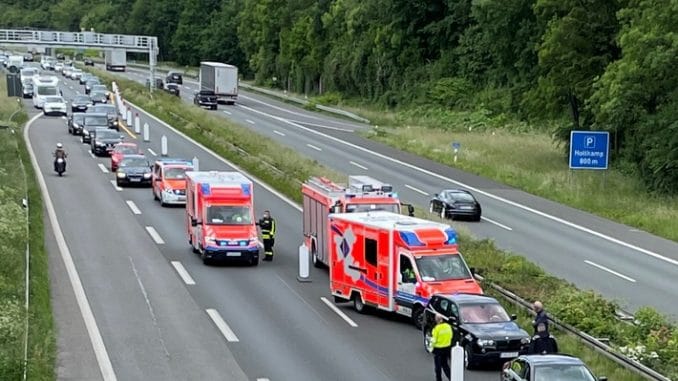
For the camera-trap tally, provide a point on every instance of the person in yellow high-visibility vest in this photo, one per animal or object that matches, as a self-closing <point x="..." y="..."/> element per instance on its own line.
<point x="267" y="225"/>
<point x="441" y="341"/>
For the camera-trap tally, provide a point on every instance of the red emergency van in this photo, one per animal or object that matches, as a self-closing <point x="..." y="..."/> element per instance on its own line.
<point x="394" y="262"/>
<point x="169" y="180"/>
<point x="321" y="197"/>
<point x="220" y="216"/>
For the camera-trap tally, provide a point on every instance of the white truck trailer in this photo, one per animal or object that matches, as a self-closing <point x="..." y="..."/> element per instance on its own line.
<point x="116" y="60"/>
<point x="220" y="78"/>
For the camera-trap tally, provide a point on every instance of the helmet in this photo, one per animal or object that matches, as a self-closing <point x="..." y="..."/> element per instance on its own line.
<point x="59" y="145"/>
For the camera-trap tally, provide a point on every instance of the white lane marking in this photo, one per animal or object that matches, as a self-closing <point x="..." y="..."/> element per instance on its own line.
<point x="323" y="126"/>
<point x="133" y="207"/>
<point x="280" y="108"/>
<point x="496" y="223"/>
<point x="152" y="152"/>
<point x="226" y="112"/>
<point x="115" y="185"/>
<point x="91" y="154"/>
<point x="249" y="121"/>
<point x="216" y="156"/>
<point x="278" y="132"/>
<point x="358" y="165"/>
<point x="474" y="189"/>
<point x="93" y="332"/>
<point x="314" y="147"/>
<point x="416" y="189"/>
<point x="103" y="168"/>
<point x="263" y="379"/>
<point x="150" y="307"/>
<point x="187" y="88"/>
<point x="154" y="234"/>
<point x="221" y="324"/>
<point x="601" y="267"/>
<point x="181" y="270"/>
<point x="339" y="312"/>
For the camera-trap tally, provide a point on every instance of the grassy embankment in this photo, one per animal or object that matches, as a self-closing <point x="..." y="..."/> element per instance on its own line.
<point x="13" y="238"/>
<point x="511" y="271"/>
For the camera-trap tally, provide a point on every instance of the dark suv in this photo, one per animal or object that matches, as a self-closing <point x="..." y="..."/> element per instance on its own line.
<point x="481" y="326"/>
<point x="91" y="122"/>
<point x="173" y="77"/>
<point x="206" y="98"/>
<point x="104" y="140"/>
<point x="110" y="111"/>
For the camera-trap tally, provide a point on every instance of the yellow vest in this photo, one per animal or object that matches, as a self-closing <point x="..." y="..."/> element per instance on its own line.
<point x="442" y="335"/>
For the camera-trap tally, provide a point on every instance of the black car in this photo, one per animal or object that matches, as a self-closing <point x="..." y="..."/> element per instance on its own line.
<point x="84" y="78"/>
<point x="172" y="88"/>
<point x="99" y="97"/>
<point x="90" y="83"/>
<point x="103" y="141"/>
<point x="173" y="77"/>
<point x="89" y="62"/>
<point x="205" y="98"/>
<point x="92" y="122"/>
<point x="547" y="368"/>
<point x="481" y="326"/>
<point x="60" y="57"/>
<point x="80" y="103"/>
<point x="111" y="114"/>
<point x="133" y="169"/>
<point x="76" y="123"/>
<point x="455" y="203"/>
<point x="28" y="57"/>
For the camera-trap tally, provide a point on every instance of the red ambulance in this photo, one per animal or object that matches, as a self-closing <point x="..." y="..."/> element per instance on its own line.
<point x="220" y="216"/>
<point x="169" y="180"/>
<point x="394" y="263"/>
<point x="321" y="197"/>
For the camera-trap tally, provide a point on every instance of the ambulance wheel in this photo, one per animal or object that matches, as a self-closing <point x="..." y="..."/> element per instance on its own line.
<point x="418" y="316"/>
<point x="316" y="262"/>
<point x="358" y="303"/>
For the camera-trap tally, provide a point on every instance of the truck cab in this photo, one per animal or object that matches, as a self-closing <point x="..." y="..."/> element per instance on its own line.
<point x="169" y="181"/>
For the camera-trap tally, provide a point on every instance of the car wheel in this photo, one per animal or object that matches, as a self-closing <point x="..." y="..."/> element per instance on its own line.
<point x="162" y="200"/>
<point x="443" y="214"/>
<point x="476" y="218"/>
<point x="428" y="337"/>
<point x="469" y="360"/>
<point x="254" y="262"/>
<point x="431" y="207"/>
<point x="118" y="183"/>
<point x="418" y="316"/>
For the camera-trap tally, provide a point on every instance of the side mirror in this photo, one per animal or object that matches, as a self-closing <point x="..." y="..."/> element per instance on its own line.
<point x="194" y="222"/>
<point x="473" y="270"/>
<point x="514" y="317"/>
<point x="602" y="378"/>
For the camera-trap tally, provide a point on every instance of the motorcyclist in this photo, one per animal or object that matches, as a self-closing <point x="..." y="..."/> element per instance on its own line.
<point x="59" y="153"/>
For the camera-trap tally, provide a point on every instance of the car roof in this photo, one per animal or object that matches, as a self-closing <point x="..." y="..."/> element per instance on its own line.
<point x="456" y="191"/>
<point x="127" y="144"/>
<point x="135" y="156"/>
<point x="461" y="298"/>
<point x="553" y="359"/>
<point x="97" y="113"/>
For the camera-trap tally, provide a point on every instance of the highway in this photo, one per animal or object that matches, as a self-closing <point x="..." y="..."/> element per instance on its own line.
<point x="163" y="315"/>
<point x="622" y="263"/>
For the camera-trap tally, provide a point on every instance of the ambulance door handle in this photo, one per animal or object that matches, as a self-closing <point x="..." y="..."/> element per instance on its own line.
<point x="364" y="271"/>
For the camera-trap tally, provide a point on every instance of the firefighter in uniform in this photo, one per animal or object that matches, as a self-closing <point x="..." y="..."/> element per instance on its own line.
<point x="267" y="225"/>
<point x="441" y="341"/>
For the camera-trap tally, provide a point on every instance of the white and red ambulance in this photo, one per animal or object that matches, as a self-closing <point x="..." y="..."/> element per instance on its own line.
<point x="394" y="262"/>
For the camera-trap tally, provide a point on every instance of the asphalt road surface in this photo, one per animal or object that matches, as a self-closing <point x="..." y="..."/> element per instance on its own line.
<point x="163" y="315"/>
<point x="622" y="263"/>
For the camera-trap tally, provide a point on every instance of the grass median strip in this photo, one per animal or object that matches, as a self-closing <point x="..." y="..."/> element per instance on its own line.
<point x="284" y="169"/>
<point x="14" y="169"/>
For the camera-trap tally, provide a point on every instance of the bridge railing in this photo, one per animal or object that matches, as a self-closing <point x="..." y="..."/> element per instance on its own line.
<point x="79" y="39"/>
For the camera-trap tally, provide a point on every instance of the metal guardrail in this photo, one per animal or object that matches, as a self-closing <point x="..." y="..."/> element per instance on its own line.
<point x="92" y="40"/>
<point x="593" y="342"/>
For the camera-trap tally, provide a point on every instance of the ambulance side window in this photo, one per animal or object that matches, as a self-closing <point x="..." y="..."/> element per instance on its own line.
<point x="371" y="251"/>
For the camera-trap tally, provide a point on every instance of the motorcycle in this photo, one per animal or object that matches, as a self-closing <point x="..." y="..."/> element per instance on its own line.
<point x="60" y="166"/>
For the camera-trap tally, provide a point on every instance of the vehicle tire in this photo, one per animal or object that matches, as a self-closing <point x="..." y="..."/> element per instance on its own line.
<point x="431" y="208"/>
<point x="254" y="262"/>
<point x="442" y="214"/>
<point x="428" y="336"/>
<point x="418" y="316"/>
<point x="469" y="360"/>
<point x="476" y="218"/>
<point x="358" y="303"/>
<point x="317" y="263"/>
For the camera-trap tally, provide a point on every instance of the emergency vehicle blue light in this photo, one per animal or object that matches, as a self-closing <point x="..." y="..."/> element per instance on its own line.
<point x="411" y="239"/>
<point x="205" y="189"/>
<point x="245" y="189"/>
<point x="451" y="237"/>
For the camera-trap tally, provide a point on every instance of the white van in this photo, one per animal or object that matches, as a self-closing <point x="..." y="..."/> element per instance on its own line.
<point x="44" y="87"/>
<point x="28" y="73"/>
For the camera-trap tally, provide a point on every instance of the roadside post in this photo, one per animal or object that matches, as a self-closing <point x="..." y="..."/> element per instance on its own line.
<point x="163" y="144"/>
<point x="590" y="150"/>
<point x="455" y="147"/>
<point x="304" y="264"/>
<point x="196" y="163"/>
<point x="457" y="363"/>
<point x="137" y="124"/>
<point x="129" y="116"/>
<point x="147" y="133"/>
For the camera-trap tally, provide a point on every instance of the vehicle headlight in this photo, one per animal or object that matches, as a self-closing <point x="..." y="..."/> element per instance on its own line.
<point x="99" y="144"/>
<point x="485" y="343"/>
<point x="525" y="340"/>
<point x="85" y="132"/>
<point x="147" y="175"/>
<point x="210" y="240"/>
<point x="121" y="174"/>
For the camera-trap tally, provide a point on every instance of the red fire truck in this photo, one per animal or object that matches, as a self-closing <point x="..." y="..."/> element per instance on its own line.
<point x="220" y="217"/>
<point x="393" y="262"/>
<point x="322" y="197"/>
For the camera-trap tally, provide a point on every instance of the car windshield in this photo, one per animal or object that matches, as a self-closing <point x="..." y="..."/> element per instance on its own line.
<point x="126" y="149"/>
<point x="228" y="215"/>
<point x="81" y="99"/>
<point x="107" y="134"/>
<point x="99" y="87"/>
<point x="442" y="267"/>
<point x="357" y="208"/>
<point x="175" y="173"/>
<point x="562" y="372"/>
<point x="48" y="90"/>
<point x="134" y="162"/>
<point x="104" y="109"/>
<point x="459" y="196"/>
<point x="96" y="120"/>
<point x="483" y="313"/>
<point x="54" y="100"/>
<point x="98" y="95"/>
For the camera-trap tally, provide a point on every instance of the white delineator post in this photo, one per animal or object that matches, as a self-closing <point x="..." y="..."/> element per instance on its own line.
<point x="163" y="144"/>
<point x="129" y="116"/>
<point x="137" y="124"/>
<point x="304" y="264"/>
<point x="457" y="363"/>
<point x="196" y="164"/>
<point x="147" y="133"/>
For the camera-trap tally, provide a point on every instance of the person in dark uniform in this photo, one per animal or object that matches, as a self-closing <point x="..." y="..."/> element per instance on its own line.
<point x="543" y="343"/>
<point x="541" y="317"/>
<point x="267" y="226"/>
<point x="59" y="153"/>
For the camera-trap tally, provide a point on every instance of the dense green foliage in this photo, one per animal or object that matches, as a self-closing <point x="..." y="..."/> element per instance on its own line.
<point x="587" y="64"/>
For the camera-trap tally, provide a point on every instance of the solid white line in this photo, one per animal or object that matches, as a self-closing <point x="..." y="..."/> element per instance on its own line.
<point x="185" y="276"/>
<point x="97" y="341"/>
<point x="278" y="132"/>
<point x="263" y="379"/>
<point x="496" y="223"/>
<point x="226" y="112"/>
<point x="221" y="324"/>
<point x="339" y="312"/>
<point x="152" y="152"/>
<point x="154" y="234"/>
<point x="358" y="165"/>
<point x="280" y="108"/>
<point x="416" y="189"/>
<point x="91" y="154"/>
<point x="133" y="207"/>
<point x="474" y="189"/>
<point x="249" y="121"/>
<point x="323" y="126"/>
<point x="314" y="147"/>
<point x="610" y="271"/>
<point x="103" y="168"/>
<point x="116" y="186"/>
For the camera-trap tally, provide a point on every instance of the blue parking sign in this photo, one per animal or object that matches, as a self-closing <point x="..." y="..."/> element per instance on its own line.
<point x="589" y="149"/>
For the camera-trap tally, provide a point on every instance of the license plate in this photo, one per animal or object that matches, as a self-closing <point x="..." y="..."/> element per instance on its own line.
<point x="505" y="355"/>
<point x="134" y="180"/>
<point x="234" y="254"/>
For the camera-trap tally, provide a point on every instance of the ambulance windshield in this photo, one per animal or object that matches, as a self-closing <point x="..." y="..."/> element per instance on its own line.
<point x="175" y="173"/>
<point x="228" y="215"/>
<point x="358" y="208"/>
<point x="434" y="268"/>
